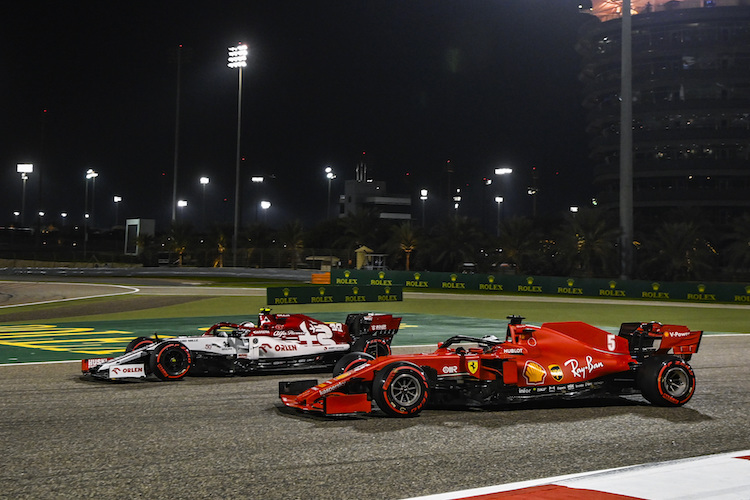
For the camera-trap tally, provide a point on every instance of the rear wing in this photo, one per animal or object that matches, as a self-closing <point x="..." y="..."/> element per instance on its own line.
<point x="373" y="325"/>
<point x="653" y="338"/>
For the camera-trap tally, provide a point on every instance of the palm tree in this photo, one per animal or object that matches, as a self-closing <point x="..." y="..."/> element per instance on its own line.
<point x="360" y="228"/>
<point x="454" y="242"/>
<point x="178" y="240"/>
<point x="146" y="245"/>
<point x="221" y="247"/>
<point x="587" y="243"/>
<point x="678" y="251"/>
<point x="738" y="244"/>
<point x="404" y="238"/>
<point x="291" y="237"/>
<point x="519" y="241"/>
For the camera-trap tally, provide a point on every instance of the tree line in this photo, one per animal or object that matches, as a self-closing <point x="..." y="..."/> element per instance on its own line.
<point x="678" y="246"/>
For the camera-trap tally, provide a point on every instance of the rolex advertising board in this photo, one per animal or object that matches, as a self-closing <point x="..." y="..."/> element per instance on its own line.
<point x="706" y="292"/>
<point x="329" y="294"/>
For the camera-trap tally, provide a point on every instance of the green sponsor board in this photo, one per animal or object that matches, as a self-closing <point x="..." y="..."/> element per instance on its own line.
<point x="704" y="292"/>
<point x="329" y="294"/>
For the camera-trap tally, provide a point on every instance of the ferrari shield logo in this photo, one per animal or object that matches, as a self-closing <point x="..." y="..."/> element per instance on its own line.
<point x="473" y="366"/>
<point x="556" y="372"/>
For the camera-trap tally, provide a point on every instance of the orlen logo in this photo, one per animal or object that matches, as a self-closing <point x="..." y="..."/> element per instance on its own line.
<point x="127" y="371"/>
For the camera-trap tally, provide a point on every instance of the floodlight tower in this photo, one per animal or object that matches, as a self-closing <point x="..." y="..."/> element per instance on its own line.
<point x="116" y="200"/>
<point x="626" y="144"/>
<point x="330" y="175"/>
<point x="91" y="175"/>
<point x="24" y="169"/>
<point x="237" y="59"/>
<point x="423" y="197"/>
<point x="499" y="201"/>
<point x="204" y="181"/>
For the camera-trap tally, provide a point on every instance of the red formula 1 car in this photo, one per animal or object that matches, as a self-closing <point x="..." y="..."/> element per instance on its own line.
<point x="278" y="341"/>
<point x="564" y="360"/>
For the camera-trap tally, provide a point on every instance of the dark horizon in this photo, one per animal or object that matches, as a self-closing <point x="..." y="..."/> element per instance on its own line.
<point x="414" y="85"/>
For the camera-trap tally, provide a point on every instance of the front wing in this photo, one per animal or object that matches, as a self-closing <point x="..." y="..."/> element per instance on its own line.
<point x="309" y="396"/>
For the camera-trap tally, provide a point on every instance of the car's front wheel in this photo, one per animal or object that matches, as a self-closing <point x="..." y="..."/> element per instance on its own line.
<point x="171" y="361"/>
<point x="400" y="389"/>
<point x="668" y="381"/>
<point x="349" y="361"/>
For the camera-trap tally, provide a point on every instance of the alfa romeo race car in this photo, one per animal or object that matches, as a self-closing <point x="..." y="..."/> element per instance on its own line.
<point x="278" y="341"/>
<point x="563" y="360"/>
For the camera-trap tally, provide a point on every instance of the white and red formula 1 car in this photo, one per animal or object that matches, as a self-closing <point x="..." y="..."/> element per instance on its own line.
<point x="277" y="342"/>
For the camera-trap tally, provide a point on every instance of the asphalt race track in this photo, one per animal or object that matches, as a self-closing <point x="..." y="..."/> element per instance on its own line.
<point x="65" y="437"/>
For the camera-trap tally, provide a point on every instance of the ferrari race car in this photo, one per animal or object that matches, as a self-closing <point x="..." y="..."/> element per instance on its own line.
<point x="564" y="360"/>
<point x="278" y="341"/>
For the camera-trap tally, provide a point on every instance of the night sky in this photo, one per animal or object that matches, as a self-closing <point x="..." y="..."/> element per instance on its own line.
<point x="413" y="83"/>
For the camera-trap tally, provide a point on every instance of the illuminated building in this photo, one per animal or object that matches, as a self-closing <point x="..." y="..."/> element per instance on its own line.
<point x="364" y="193"/>
<point x="691" y="104"/>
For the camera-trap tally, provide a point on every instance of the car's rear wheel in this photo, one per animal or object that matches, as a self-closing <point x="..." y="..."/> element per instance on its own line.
<point x="349" y="361"/>
<point x="666" y="381"/>
<point x="171" y="361"/>
<point x="137" y="343"/>
<point x="400" y="389"/>
<point x="377" y="348"/>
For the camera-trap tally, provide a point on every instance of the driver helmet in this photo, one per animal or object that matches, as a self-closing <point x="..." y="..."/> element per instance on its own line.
<point x="264" y="316"/>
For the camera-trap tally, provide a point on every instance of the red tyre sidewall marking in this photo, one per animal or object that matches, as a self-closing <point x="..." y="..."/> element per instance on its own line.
<point x="389" y="380"/>
<point x="142" y="343"/>
<point x="161" y="368"/>
<point x="691" y="381"/>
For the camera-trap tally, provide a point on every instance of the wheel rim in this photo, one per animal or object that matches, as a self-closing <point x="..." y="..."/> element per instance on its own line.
<point x="174" y="361"/>
<point x="405" y="390"/>
<point x="676" y="382"/>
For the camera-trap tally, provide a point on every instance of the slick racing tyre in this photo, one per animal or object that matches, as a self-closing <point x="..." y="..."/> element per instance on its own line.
<point x="171" y="361"/>
<point x="137" y="343"/>
<point x="668" y="381"/>
<point x="377" y="348"/>
<point x="400" y="389"/>
<point x="350" y="361"/>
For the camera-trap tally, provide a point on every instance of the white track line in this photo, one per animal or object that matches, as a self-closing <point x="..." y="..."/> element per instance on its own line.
<point x="722" y="476"/>
<point x="128" y="290"/>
